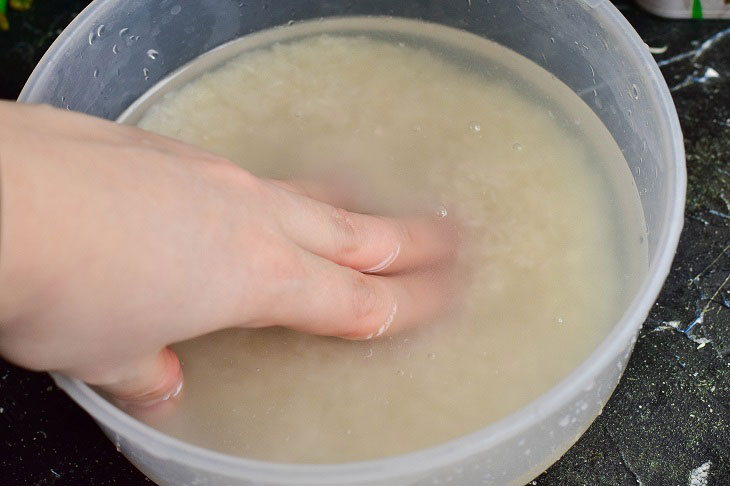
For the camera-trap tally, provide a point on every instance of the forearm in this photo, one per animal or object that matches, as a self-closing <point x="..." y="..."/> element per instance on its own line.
<point x="16" y="198"/>
<point x="42" y="215"/>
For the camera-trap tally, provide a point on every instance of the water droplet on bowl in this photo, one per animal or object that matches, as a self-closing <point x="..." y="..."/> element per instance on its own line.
<point x="152" y="54"/>
<point x="176" y="10"/>
<point x="123" y="31"/>
<point x="91" y="38"/>
<point x="115" y="49"/>
<point x="146" y="73"/>
<point x="441" y="212"/>
<point x="634" y="91"/>
<point x="517" y="147"/>
<point x="100" y="30"/>
<point x="475" y="126"/>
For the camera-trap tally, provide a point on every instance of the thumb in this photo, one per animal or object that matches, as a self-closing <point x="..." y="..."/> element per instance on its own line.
<point x="148" y="382"/>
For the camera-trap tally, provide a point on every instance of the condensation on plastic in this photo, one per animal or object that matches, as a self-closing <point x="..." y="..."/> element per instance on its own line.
<point x="116" y="49"/>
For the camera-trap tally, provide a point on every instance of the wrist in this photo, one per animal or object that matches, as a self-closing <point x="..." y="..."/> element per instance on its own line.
<point x="14" y="254"/>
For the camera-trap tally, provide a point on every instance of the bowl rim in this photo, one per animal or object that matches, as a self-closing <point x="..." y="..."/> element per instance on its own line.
<point x="614" y="344"/>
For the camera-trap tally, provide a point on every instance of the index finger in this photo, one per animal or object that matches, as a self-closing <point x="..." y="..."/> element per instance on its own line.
<point x="367" y="243"/>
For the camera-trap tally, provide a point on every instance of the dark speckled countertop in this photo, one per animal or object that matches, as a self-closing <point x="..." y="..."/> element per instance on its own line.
<point x="668" y="421"/>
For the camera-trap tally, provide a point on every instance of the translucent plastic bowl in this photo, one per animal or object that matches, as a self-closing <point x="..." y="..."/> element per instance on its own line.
<point x="104" y="60"/>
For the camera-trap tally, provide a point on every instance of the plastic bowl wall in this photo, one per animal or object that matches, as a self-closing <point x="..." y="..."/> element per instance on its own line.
<point x="116" y="49"/>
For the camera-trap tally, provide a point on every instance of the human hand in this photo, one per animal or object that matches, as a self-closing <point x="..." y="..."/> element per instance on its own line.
<point x="115" y="243"/>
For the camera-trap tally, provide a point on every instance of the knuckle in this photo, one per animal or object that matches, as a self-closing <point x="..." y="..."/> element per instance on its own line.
<point x="227" y="173"/>
<point x="347" y="237"/>
<point x="366" y="306"/>
<point x="298" y="187"/>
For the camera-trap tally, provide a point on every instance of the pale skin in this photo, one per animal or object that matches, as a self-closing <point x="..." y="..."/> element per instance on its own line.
<point x="116" y="243"/>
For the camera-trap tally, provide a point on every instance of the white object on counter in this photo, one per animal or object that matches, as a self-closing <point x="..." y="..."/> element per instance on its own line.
<point x="686" y="9"/>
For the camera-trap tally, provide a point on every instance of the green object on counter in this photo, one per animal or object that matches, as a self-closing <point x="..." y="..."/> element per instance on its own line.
<point x="21" y="4"/>
<point x="697" y="9"/>
<point x="4" y="25"/>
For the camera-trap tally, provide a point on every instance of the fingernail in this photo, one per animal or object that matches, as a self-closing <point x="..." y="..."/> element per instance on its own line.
<point x="385" y="263"/>
<point x="174" y="391"/>
<point x="146" y="395"/>
<point x="388" y="321"/>
<point x="386" y="325"/>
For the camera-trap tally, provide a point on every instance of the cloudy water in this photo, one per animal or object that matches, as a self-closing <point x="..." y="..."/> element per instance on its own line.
<point x="416" y="117"/>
